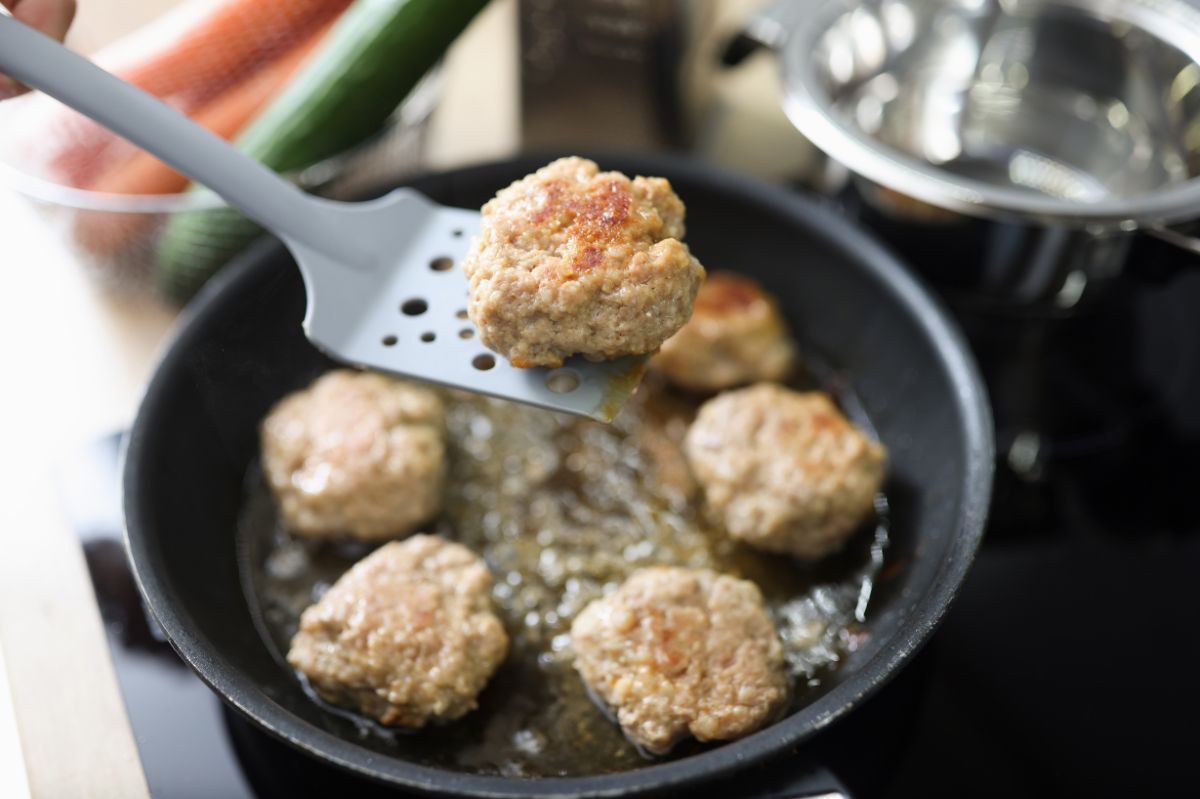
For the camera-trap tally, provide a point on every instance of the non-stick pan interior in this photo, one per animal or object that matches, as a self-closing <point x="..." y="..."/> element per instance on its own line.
<point x="242" y="349"/>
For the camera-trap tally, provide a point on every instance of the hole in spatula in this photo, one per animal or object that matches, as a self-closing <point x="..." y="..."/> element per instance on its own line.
<point x="563" y="381"/>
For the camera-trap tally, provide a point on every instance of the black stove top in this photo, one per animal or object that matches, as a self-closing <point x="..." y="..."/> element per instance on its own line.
<point x="1069" y="665"/>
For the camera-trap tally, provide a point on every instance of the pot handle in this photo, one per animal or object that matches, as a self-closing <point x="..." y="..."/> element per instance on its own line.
<point x="1163" y="252"/>
<point x="768" y="27"/>
<point x="1176" y="238"/>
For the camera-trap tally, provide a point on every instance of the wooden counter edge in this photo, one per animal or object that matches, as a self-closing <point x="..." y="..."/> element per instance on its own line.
<point x="74" y="731"/>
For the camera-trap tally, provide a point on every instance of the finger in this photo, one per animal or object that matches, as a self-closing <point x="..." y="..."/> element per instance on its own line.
<point x="52" y="17"/>
<point x="9" y="87"/>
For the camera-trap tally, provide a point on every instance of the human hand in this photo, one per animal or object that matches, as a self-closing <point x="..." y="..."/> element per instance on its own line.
<point x="51" y="17"/>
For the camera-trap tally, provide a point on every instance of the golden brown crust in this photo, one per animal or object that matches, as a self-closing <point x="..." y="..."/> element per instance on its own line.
<point x="679" y="651"/>
<point x="571" y="260"/>
<point x="727" y="293"/>
<point x="736" y="336"/>
<point x="356" y="454"/>
<point x="784" y="471"/>
<point x="407" y="636"/>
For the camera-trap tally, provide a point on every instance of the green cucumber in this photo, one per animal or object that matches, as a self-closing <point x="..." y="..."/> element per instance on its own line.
<point x="368" y="64"/>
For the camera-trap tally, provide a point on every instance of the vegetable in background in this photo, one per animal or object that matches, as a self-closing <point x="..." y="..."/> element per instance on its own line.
<point x="188" y="57"/>
<point x="108" y="234"/>
<point x="225" y="115"/>
<point x="371" y="60"/>
<point x="216" y="44"/>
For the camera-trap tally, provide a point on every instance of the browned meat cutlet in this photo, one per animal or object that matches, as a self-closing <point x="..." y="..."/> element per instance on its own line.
<point x="736" y="336"/>
<point x="408" y="636"/>
<point x="356" y="454"/>
<point x="784" y="471"/>
<point x="677" y="652"/>
<point x="571" y="260"/>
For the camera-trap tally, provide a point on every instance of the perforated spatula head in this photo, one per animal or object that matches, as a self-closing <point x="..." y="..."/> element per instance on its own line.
<point x="385" y="290"/>
<point x="407" y="313"/>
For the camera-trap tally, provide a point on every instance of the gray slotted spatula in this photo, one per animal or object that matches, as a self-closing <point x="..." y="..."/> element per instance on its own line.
<point x="382" y="277"/>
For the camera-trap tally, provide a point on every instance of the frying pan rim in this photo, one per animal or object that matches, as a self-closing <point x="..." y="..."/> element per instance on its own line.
<point x="921" y="616"/>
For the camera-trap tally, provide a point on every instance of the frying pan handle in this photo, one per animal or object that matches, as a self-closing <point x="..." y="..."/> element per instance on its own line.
<point x="42" y="63"/>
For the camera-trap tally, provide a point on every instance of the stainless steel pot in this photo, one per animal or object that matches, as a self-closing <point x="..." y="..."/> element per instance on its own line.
<point x="1066" y="126"/>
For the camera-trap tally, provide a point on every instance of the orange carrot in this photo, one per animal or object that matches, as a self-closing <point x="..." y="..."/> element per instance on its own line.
<point x="211" y="50"/>
<point x="142" y="173"/>
<point x="187" y="57"/>
<point x="225" y="116"/>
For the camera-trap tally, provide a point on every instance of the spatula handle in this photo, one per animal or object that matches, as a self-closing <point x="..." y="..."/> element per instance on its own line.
<point x="42" y="63"/>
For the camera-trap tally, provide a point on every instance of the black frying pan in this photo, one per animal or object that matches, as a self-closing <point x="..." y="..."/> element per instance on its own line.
<point x="240" y="348"/>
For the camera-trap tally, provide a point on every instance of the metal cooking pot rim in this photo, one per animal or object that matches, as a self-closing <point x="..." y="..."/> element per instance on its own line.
<point x="249" y="698"/>
<point x="809" y="109"/>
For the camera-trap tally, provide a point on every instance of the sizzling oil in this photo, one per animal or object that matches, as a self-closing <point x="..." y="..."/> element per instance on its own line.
<point x="563" y="510"/>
